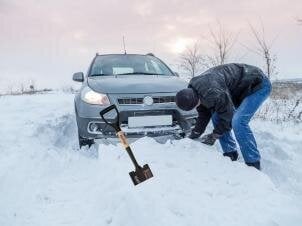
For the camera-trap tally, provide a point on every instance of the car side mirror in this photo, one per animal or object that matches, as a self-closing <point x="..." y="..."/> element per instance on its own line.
<point x="78" y="77"/>
<point x="176" y="74"/>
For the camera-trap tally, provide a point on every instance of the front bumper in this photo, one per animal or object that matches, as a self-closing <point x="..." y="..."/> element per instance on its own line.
<point x="91" y="126"/>
<point x="95" y="128"/>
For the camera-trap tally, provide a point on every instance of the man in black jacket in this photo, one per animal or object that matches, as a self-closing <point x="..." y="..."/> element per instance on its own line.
<point x="230" y="95"/>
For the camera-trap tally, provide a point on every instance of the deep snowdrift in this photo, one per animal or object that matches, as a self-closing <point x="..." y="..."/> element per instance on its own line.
<point x="45" y="180"/>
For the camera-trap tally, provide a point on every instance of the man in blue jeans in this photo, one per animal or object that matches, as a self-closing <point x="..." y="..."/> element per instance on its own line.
<point x="230" y="95"/>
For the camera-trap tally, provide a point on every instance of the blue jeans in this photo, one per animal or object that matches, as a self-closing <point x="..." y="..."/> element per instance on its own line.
<point x="240" y="125"/>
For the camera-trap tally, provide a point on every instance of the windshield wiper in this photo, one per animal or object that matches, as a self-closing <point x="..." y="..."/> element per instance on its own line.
<point x="100" y="74"/>
<point x="140" y="73"/>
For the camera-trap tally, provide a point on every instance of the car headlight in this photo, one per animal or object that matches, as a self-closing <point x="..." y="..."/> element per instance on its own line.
<point x="91" y="97"/>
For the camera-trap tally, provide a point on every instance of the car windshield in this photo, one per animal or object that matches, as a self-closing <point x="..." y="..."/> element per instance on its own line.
<point x="128" y="65"/>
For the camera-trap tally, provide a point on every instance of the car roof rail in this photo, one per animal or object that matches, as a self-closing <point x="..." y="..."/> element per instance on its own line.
<point x="150" y="54"/>
<point x="97" y="54"/>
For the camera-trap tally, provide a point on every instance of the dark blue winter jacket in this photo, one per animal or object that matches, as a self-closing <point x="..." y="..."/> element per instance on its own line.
<point x="221" y="89"/>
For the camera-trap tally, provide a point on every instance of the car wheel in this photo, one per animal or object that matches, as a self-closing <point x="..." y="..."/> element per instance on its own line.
<point x="89" y="147"/>
<point x="179" y="136"/>
<point x="85" y="142"/>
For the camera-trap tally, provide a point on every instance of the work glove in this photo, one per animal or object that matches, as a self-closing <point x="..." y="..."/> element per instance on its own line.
<point x="194" y="135"/>
<point x="210" y="139"/>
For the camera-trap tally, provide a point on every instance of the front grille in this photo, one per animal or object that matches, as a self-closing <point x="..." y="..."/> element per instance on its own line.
<point x="140" y="100"/>
<point x="130" y="100"/>
<point x="164" y="99"/>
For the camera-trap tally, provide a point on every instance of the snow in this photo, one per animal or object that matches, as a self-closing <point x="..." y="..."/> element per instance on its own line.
<point x="45" y="180"/>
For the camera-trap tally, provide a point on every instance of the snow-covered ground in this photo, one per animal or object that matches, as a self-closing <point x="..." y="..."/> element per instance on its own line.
<point x="46" y="181"/>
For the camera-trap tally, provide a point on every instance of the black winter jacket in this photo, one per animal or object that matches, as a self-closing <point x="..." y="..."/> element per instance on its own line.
<point x="221" y="89"/>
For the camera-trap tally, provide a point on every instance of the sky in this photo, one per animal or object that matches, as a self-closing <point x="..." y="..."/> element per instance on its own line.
<point x="47" y="41"/>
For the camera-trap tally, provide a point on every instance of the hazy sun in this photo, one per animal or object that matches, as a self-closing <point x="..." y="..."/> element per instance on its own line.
<point x="180" y="44"/>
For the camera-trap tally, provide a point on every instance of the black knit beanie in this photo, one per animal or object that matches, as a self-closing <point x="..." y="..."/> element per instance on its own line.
<point x="186" y="99"/>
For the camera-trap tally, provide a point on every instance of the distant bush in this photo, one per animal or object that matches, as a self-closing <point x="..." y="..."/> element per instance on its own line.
<point x="281" y="110"/>
<point x="284" y="104"/>
<point x="26" y="92"/>
<point x="287" y="90"/>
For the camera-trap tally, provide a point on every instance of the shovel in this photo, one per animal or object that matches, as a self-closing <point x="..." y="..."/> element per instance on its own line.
<point x="141" y="173"/>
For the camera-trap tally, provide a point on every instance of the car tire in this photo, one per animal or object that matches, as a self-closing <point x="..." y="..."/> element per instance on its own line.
<point x="89" y="147"/>
<point x="85" y="142"/>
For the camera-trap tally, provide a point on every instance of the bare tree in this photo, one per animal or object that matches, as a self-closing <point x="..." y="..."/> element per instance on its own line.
<point x="22" y="88"/>
<point x="32" y="86"/>
<point x="191" y="61"/>
<point x="264" y="49"/>
<point x="10" y="88"/>
<point x="221" y="41"/>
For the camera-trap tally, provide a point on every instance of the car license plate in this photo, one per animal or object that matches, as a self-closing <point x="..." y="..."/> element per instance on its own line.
<point x="148" y="121"/>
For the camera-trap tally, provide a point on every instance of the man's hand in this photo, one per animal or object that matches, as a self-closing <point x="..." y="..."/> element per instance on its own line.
<point x="194" y="135"/>
<point x="210" y="139"/>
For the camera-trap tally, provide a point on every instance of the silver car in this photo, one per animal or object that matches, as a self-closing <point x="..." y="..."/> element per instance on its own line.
<point x="141" y="86"/>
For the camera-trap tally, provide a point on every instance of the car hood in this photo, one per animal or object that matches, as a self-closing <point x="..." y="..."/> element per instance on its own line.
<point x="136" y="84"/>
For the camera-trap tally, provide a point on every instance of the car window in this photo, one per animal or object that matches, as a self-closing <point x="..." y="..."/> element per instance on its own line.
<point x="122" y="70"/>
<point x="128" y="64"/>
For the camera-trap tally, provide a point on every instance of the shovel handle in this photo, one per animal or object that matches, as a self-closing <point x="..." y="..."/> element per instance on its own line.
<point x="119" y="133"/>
<point x="123" y="139"/>
<point x="125" y="143"/>
<point x="115" y="124"/>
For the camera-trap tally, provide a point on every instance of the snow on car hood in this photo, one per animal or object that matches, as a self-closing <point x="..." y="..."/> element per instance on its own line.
<point x="136" y="84"/>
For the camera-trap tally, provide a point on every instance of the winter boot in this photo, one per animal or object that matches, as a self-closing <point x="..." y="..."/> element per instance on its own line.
<point x="233" y="155"/>
<point x="254" y="164"/>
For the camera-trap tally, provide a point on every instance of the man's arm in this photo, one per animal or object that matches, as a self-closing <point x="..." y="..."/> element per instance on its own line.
<point x="221" y="102"/>
<point x="223" y="106"/>
<point x="225" y="109"/>
<point x="204" y="116"/>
